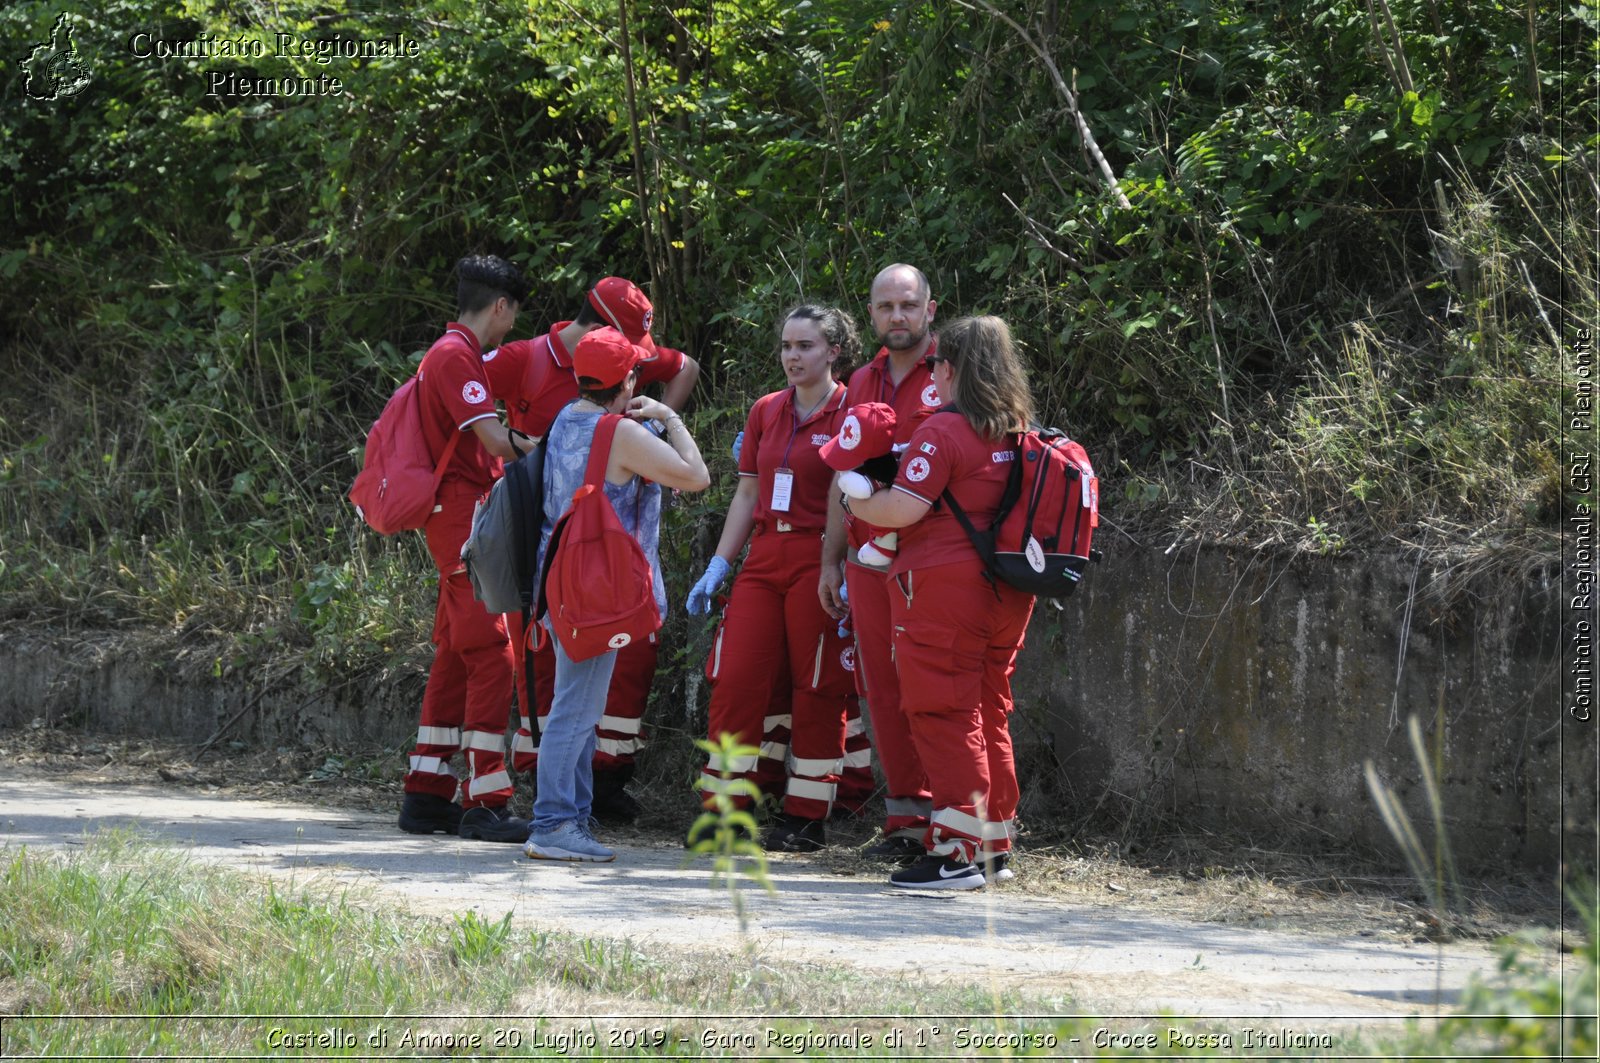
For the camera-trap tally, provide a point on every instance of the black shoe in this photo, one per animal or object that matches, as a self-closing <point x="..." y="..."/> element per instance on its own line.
<point x="794" y="834"/>
<point x="934" y="872"/>
<point x="617" y="809"/>
<point x="494" y="824"/>
<point x="429" y="814"/>
<point x="996" y="867"/>
<point x="895" y="847"/>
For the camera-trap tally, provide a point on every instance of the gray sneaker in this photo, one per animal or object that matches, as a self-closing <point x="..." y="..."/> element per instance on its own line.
<point x="570" y="841"/>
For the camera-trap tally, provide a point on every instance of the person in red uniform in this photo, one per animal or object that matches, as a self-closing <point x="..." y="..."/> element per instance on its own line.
<point x="469" y="685"/>
<point x="957" y="632"/>
<point x="534" y="379"/>
<point x="902" y="313"/>
<point x="773" y="627"/>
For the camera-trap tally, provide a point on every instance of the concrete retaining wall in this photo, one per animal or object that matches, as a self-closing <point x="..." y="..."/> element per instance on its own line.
<point x="1246" y="690"/>
<point x="1220" y="689"/>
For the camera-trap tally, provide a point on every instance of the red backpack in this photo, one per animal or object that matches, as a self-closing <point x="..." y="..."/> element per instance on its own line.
<point x="399" y="480"/>
<point x="1041" y="536"/>
<point x="597" y="585"/>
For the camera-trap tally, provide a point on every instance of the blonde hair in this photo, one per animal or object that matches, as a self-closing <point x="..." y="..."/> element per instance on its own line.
<point x="991" y="388"/>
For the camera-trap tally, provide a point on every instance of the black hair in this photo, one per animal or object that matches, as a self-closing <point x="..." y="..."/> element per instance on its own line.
<point x="589" y="388"/>
<point x="588" y="315"/>
<point x="481" y="279"/>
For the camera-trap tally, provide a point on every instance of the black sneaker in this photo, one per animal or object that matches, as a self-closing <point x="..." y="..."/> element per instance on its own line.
<point x="494" y="824"/>
<point x="996" y="867"/>
<point x="895" y="847"/>
<point x="934" y="872"/>
<point x="429" y="814"/>
<point x="793" y="834"/>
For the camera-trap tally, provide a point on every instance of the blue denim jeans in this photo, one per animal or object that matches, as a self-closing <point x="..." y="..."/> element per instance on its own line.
<point x="566" y="744"/>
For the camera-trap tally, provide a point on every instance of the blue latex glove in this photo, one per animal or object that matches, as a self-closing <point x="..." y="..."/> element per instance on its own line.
<point x="738" y="445"/>
<point x="699" y="603"/>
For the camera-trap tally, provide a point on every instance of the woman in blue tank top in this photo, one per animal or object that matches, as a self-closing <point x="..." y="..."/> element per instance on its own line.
<point x="606" y="364"/>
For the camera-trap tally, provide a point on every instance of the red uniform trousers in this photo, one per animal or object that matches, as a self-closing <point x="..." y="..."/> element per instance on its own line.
<point x="464" y="708"/>
<point x="620" y="733"/>
<point x="856" y="784"/>
<point x="955" y="644"/>
<point x="909" y="801"/>
<point x="774" y="625"/>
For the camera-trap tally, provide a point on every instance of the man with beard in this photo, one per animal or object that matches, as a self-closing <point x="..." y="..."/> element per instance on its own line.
<point x="902" y="310"/>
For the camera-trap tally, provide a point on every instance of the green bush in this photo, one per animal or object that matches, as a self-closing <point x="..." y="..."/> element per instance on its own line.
<point x="1323" y="317"/>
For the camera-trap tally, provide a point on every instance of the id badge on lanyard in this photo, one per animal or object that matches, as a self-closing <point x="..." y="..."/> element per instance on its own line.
<point x="782" y="490"/>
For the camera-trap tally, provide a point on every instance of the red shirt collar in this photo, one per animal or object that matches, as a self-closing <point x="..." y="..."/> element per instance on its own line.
<point x="471" y="337"/>
<point x="558" y="350"/>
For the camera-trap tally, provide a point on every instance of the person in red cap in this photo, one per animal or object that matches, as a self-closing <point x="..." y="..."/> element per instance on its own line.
<point x="535" y="379"/>
<point x="957" y="632"/>
<point x="469" y="684"/>
<point x="902" y="315"/>
<point x="641" y="462"/>
<point x="773" y="626"/>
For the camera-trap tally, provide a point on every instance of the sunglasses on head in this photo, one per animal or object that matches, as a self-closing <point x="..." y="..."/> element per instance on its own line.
<point x="931" y="360"/>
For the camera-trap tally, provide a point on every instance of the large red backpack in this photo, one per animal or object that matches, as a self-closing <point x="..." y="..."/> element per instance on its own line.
<point x="399" y="480"/>
<point x="597" y="585"/>
<point x="1041" y="538"/>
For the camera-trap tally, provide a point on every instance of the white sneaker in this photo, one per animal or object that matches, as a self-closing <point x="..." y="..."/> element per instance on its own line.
<point x="570" y="841"/>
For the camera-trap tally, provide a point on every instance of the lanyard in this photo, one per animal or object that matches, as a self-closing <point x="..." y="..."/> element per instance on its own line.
<point x="794" y="418"/>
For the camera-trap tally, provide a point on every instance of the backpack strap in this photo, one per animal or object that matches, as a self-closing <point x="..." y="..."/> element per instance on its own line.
<point x="594" y="474"/>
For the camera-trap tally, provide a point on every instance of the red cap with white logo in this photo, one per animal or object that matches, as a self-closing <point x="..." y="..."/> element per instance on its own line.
<point x="866" y="432"/>
<point x="624" y="307"/>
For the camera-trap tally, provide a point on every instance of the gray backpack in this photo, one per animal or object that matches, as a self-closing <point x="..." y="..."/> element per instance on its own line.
<point x="502" y="551"/>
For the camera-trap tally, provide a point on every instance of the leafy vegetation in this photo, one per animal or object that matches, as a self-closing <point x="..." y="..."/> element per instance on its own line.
<point x="1330" y="314"/>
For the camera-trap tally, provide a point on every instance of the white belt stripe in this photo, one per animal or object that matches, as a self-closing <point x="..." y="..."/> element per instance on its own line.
<point x="431" y="766"/>
<point x="774" y="750"/>
<point x="734" y="765"/>
<point x="621" y="724"/>
<point x="817" y="791"/>
<point x="815" y="767"/>
<point x="488" y="784"/>
<point x="816" y="664"/>
<point x="618" y="747"/>
<point x="439" y="736"/>
<point x="996" y="831"/>
<point x="523" y="744"/>
<point x="968" y="825"/>
<point x="854" y="727"/>
<point x="774" y="722"/>
<point x="859" y="758"/>
<point x="486" y="741"/>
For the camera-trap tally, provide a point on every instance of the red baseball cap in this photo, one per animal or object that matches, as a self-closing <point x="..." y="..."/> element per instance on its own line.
<point x="606" y="355"/>
<point x="866" y="432"/>
<point x="623" y="306"/>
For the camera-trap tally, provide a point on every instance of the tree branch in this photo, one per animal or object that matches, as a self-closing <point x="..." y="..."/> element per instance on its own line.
<point x="1066" y="94"/>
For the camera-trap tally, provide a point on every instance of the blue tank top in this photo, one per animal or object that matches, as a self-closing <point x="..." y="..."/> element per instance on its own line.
<point x="637" y="503"/>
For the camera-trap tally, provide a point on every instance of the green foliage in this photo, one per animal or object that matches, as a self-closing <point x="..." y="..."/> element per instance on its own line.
<point x="725" y="831"/>
<point x="1329" y="298"/>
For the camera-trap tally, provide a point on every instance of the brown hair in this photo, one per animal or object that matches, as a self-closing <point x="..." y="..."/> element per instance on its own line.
<point x="991" y="388"/>
<point x="837" y="327"/>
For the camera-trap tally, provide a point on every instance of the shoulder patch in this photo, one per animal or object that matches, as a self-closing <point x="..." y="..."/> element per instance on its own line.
<point x="918" y="469"/>
<point x="474" y="393"/>
<point x="930" y="396"/>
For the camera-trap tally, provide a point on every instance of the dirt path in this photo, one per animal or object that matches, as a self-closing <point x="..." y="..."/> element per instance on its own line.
<point x="1103" y="958"/>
